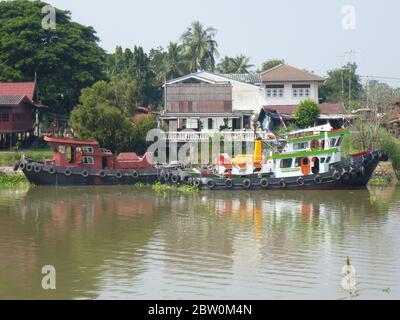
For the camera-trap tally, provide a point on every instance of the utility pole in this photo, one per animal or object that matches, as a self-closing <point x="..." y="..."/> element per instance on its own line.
<point x="350" y="53"/>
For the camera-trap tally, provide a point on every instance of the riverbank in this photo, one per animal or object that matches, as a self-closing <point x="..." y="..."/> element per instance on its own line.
<point x="7" y="159"/>
<point x="14" y="181"/>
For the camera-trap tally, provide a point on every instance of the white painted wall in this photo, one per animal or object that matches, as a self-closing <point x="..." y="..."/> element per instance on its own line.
<point x="246" y="97"/>
<point x="288" y="98"/>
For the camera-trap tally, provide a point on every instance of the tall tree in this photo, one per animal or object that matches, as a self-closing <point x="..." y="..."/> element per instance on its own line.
<point x="200" y="47"/>
<point x="238" y="64"/>
<point x="128" y="66"/>
<point x="173" y="63"/>
<point x="65" y="59"/>
<point x="342" y="85"/>
<point x="271" y="63"/>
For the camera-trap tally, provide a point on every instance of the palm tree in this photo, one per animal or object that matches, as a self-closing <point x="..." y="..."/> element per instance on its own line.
<point x="199" y="47"/>
<point x="173" y="64"/>
<point x="240" y="64"/>
<point x="226" y="65"/>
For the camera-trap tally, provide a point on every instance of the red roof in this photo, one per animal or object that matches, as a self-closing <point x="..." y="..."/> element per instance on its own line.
<point x="18" y="89"/>
<point x="326" y="108"/>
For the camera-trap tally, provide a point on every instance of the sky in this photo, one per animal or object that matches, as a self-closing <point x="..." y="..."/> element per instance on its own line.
<point x="310" y="34"/>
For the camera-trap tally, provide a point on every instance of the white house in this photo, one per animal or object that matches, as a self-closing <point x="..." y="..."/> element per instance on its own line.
<point x="209" y="102"/>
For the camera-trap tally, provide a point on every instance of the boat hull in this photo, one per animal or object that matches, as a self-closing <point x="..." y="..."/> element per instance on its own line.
<point x="41" y="174"/>
<point x="347" y="174"/>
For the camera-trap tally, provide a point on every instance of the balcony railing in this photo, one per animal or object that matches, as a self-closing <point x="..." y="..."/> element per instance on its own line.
<point x="191" y="136"/>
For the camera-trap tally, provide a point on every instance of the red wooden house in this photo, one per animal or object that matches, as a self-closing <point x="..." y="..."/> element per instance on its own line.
<point x="17" y="111"/>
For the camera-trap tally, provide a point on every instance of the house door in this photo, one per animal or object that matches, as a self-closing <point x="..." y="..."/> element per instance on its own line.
<point x="305" y="166"/>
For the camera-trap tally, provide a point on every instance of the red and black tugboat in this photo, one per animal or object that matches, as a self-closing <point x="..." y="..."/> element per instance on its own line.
<point x="85" y="163"/>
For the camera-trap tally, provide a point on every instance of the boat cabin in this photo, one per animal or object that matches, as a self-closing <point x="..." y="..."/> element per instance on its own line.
<point x="71" y="153"/>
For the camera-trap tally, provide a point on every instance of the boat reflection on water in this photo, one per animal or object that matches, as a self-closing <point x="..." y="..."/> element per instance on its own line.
<point x="124" y="242"/>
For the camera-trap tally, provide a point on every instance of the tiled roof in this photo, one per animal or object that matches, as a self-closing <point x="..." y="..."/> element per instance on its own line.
<point x="326" y="108"/>
<point x="253" y="78"/>
<point x="10" y="100"/>
<point x="17" y="89"/>
<point x="284" y="72"/>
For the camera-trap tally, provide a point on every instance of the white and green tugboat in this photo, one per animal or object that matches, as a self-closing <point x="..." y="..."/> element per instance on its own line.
<point x="304" y="159"/>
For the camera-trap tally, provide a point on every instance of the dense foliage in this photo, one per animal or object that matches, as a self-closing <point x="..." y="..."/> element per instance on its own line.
<point x="271" y="63"/>
<point x="307" y="113"/>
<point x="65" y="59"/>
<point x="239" y="64"/>
<point x="103" y="115"/>
<point x="342" y="85"/>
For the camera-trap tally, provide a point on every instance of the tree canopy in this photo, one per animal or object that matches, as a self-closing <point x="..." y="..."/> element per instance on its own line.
<point x="238" y="64"/>
<point x="65" y="59"/>
<point x="200" y="47"/>
<point x="307" y="113"/>
<point x="103" y="115"/>
<point x="269" y="64"/>
<point x="337" y="87"/>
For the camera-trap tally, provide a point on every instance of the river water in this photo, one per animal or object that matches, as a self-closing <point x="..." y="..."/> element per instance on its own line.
<point x="130" y="243"/>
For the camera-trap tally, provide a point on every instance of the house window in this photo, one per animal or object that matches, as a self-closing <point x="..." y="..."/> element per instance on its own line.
<point x="210" y="123"/>
<point x="87" y="149"/>
<point x="88" y="160"/>
<point x="4" y="117"/>
<point x="274" y="90"/>
<point x="286" y="163"/>
<point x="300" y="145"/>
<point x="301" y="90"/>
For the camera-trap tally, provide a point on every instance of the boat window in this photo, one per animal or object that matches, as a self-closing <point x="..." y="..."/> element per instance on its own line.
<point x="297" y="162"/>
<point x="333" y="142"/>
<point x="286" y="163"/>
<point x="328" y="159"/>
<point x="88" y="160"/>
<point x="300" y="145"/>
<point x="322" y="160"/>
<point x="87" y="149"/>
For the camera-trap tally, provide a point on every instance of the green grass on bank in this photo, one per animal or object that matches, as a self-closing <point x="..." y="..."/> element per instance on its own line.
<point x="160" y="187"/>
<point x="380" y="182"/>
<point x="7" y="159"/>
<point x="14" y="181"/>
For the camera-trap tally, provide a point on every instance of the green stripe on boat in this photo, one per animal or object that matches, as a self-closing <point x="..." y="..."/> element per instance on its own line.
<point x="303" y="154"/>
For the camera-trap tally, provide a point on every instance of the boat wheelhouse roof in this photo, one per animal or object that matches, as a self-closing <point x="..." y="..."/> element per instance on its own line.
<point x="70" y="141"/>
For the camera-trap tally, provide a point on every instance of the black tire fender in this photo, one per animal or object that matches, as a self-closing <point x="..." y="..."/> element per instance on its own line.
<point x="282" y="183"/>
<point x="68" y="172"/>
<point x="85" y="173"/>
<point x="52" y="170"/>
<point x="229" y="183"/>
<point x="29" y="167"/>
<point x="247" y="183"/>
<point x="300" y="181"/>
<point x="211" y="184"/>
<point x="37" y="168"/>
<point x="119" y="174"/>
<point x="264" y="182"/>
<point x="318" y="179"/>
<point x="336" y="175"/>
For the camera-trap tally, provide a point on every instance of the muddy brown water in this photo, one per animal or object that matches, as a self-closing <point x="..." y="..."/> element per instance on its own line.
<point x="127" y="243"/>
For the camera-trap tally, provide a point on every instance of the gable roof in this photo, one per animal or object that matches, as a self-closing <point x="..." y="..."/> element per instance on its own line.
<point x="215" y="78"/>
<point x="195" y="75"/>
<point x="18" y="89"/>
<point x="284" y="72"/>
<point x="327" y="109"/>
